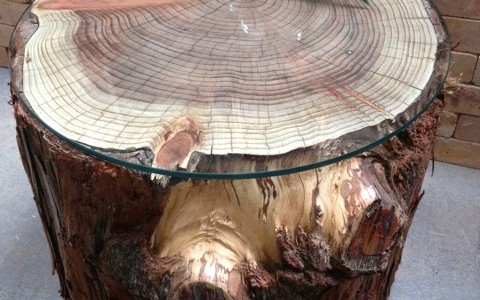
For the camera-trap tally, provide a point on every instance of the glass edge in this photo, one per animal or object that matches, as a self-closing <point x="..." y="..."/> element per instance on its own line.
<point x="250" y="175"/>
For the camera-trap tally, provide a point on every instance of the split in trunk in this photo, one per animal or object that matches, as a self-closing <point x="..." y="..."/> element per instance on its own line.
<point x="238" y="91"/>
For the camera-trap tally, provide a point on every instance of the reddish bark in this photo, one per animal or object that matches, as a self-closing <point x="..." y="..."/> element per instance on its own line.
<point x="99" y="220"/>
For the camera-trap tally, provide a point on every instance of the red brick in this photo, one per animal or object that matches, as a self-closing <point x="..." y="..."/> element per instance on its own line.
<point x="463" y="66"/>
<point x="457" y="152"/>
<point x="5" y="34"/>
<point x="20" y="1"/>
<point x="468" y="129"/>
<point x="469" y="9"/>
<point x="11" y="12"/>
<point x="464" y="34"/>
<point x="446" y="124"/>
<point x="3" y="57"/>
<point x="476" y="75"/>
<point x="464" y="100"/>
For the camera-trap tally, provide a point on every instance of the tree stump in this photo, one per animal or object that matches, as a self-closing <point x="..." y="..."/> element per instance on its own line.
<point x="227" y="149"/>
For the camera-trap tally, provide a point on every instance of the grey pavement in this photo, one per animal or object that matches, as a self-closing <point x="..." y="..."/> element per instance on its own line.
<point x="441" y="258"/>
<point x="25" y="263"/>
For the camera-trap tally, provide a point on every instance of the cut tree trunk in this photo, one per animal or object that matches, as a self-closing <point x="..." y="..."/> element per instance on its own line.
<point x="130" y="112"/>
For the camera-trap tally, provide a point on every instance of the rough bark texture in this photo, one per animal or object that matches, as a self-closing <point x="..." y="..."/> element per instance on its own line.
<point x="334" y="232"/>
<point x="104" y="224"/>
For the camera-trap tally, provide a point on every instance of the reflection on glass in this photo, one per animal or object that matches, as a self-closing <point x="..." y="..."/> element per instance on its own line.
<point x="233" y="89"/>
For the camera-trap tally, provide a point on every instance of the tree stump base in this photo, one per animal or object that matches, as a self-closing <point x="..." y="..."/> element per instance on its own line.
<point x="227" y="149"/>
<point x="115" y="233"/>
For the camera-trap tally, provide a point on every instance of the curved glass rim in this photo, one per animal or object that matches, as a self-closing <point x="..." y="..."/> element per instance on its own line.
<point x="246" y="175"/>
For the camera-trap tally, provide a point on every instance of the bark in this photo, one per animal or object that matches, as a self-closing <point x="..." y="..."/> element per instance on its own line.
<point x="329" y="233"/>
<point x="160" y="86"/>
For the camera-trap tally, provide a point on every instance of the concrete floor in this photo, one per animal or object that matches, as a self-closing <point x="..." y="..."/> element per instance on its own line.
<point x="441" y="259"/>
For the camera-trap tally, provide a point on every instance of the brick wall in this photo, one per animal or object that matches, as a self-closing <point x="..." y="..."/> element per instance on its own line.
<point x="458" y="137"/>
<point x="10" y="12"/>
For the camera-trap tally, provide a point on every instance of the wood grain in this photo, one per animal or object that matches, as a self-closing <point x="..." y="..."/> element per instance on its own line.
<point x="227" y="86"/>
<point x="256" y="77"/>
<point x="330" y="233"/>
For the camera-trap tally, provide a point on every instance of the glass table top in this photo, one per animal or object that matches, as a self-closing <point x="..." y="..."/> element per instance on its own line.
<point x="231" y="89"/>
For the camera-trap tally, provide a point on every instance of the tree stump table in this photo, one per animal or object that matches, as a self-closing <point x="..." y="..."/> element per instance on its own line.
<point x="227" y="149"/>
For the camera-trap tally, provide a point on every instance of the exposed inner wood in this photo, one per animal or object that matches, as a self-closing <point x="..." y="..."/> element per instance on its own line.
<point x="330" y="233"/>
<point x="251" y="77"/>
<point x="217" y="227"/>
<point x="221" y="86"/>
<point x="101" y="4"/>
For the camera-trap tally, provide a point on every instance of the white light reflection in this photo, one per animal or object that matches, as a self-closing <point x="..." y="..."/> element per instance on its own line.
<point x="299" y="36"/>
<point x="244" y="26"/>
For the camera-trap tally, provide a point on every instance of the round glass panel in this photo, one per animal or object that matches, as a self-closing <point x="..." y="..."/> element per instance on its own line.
<point x="231" y="89"/>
